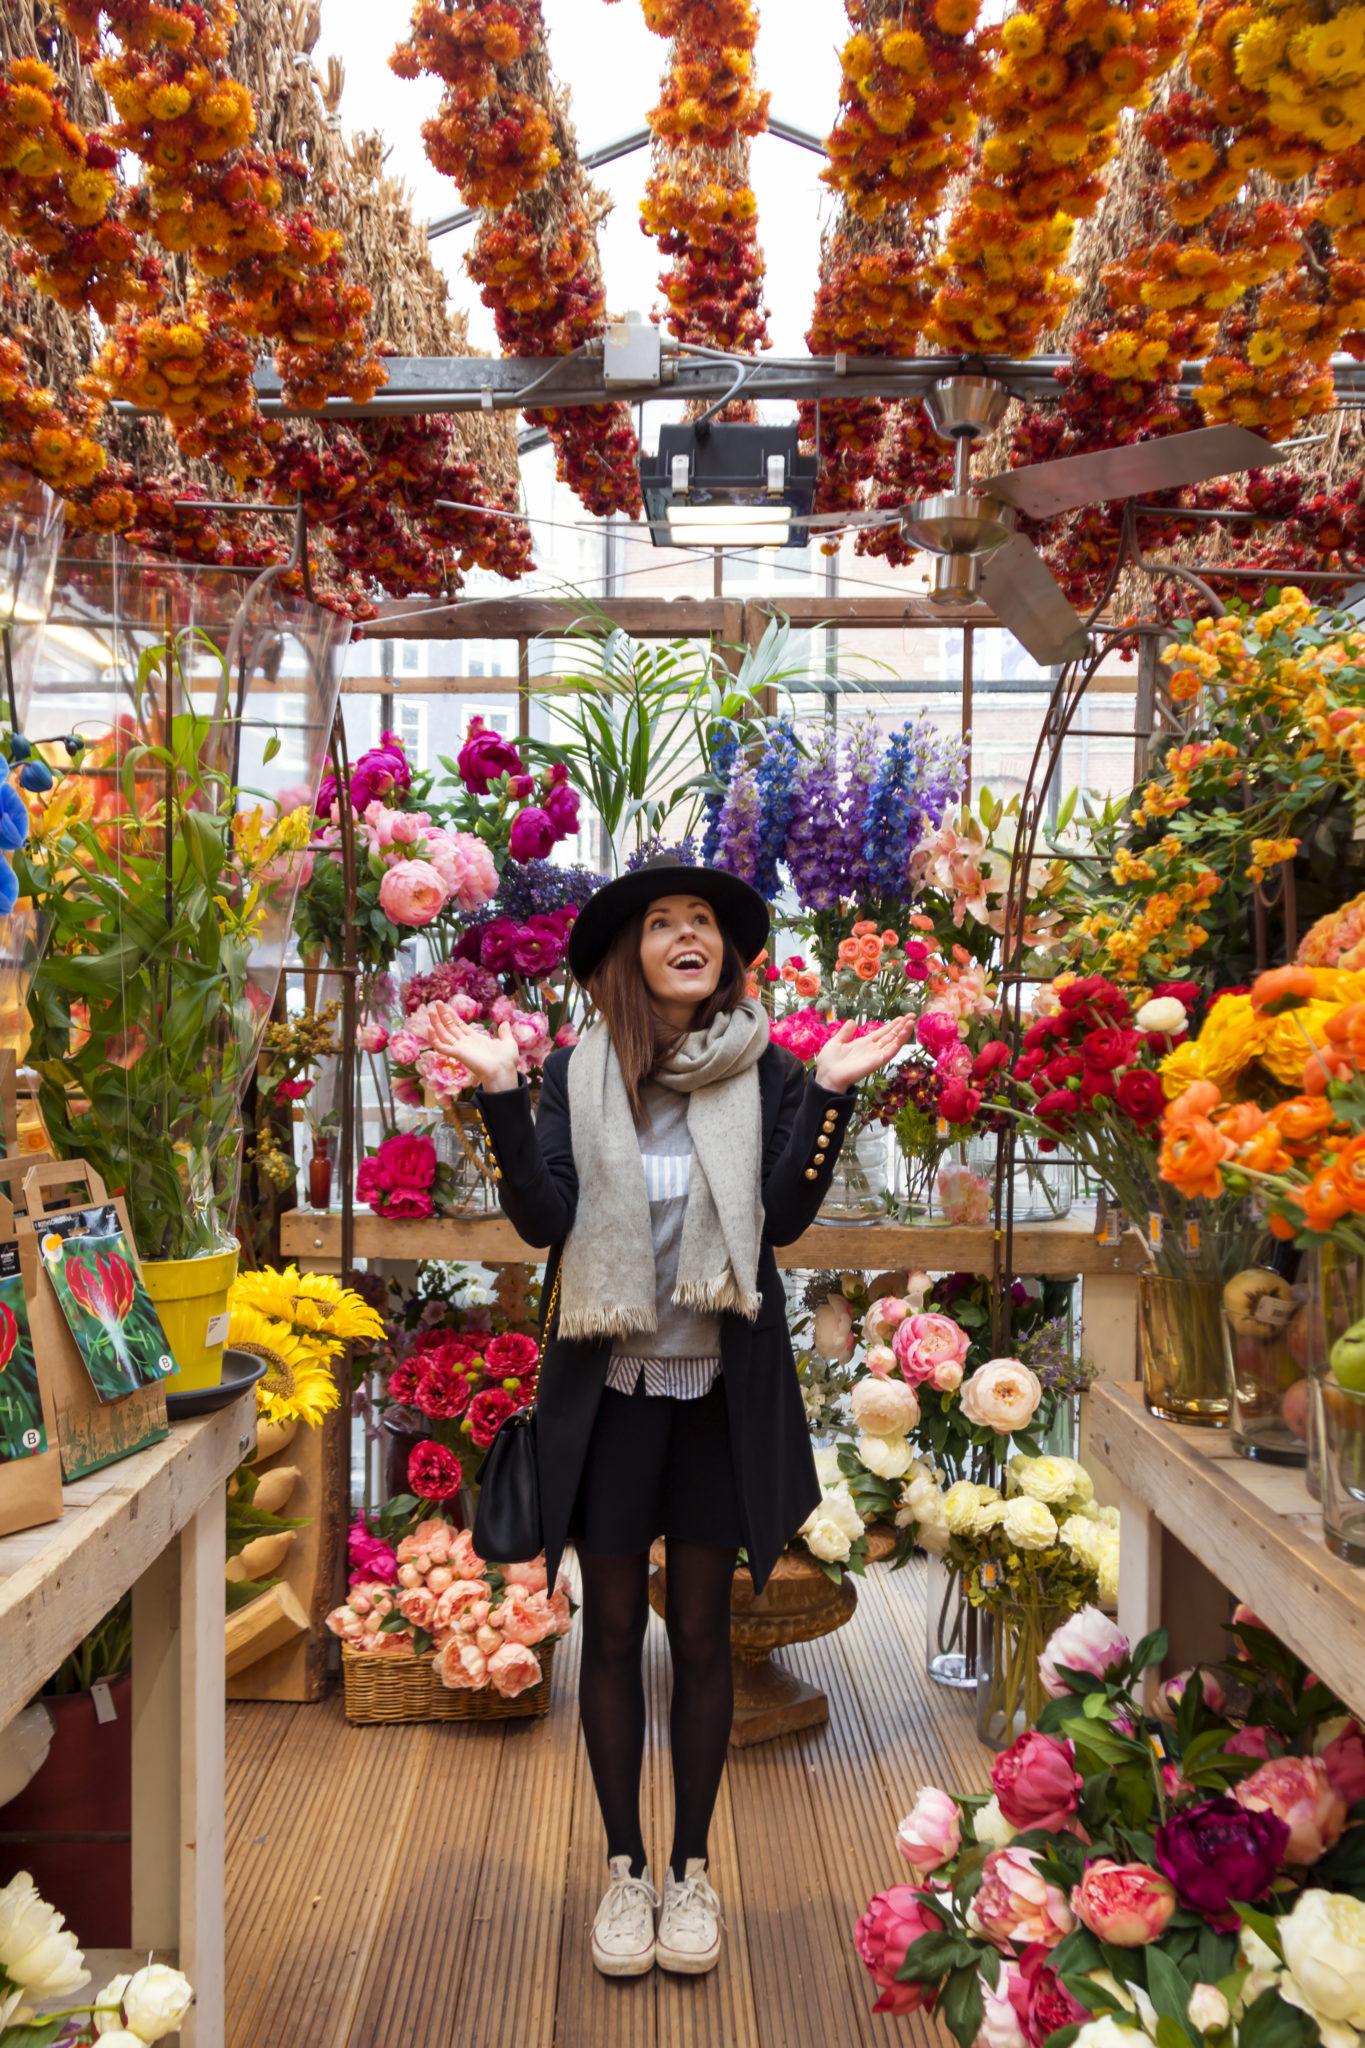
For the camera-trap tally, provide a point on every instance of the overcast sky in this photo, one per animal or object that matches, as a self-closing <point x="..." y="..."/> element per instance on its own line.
<point x="611" y="65"/>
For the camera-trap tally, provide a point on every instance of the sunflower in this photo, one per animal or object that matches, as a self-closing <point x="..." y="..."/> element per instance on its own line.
<point x="298" y="1384"/>
<point x="313" y="1305"/>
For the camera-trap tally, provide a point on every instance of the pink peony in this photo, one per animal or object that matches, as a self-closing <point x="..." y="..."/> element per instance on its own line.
<point x="1016" y="1905"/>
<point x="512" y="1356"/>
<point x="1170" y="1694"/>
<point x="405" y="1046"/>
<point x="461" y="1665"/>
<point x="513" y="1669"/>
<point x="1001" y="2026"/>
<point x="1036" y="1782"/>
<point x="408" y="1092"/>
<point x="1249" y="1742"/>
<point x="937" y="1032"/>
<point x="412" y="894"/>
<point x="1127" y="1904"/>
<point x="533" y="834"/>
<point x="466" y="868"/>
<point x="485" y="756"/>
<point x="893" y="1920"/>
<point x="372" y="1038"/>
<point x="442" y="1393"/>
<point x="1040" y="1998"/>
<point x="931" y="1832"/>
<point x="1088" y="1642"/>
<point x="923" y="1341"/>
<point x="1298" y="1791"/>
<point x="882" y="1317"/>
<point x="1344" y="1762"/>
<point x="370" y="1559"/>
<point x="530" y="1577"/>
<point x="410" y="1205"/>
<point x="487" y="1413"/>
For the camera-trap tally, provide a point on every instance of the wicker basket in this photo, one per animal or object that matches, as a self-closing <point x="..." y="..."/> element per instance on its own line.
<point x="393" y="1685"/>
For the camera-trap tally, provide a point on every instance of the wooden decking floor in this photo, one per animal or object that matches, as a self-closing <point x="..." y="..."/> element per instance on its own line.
<point x="431" y="1886"/>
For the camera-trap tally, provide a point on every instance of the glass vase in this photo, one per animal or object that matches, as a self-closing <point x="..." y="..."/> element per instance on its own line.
<point x="1043" y="1185"/>
<point x="1335" y="1282"/>
<point x="320" y="1173"/>
<point x="1341" y="1438"/>
<point x="1180" y="1329"/>
<point x="1267" y="1390"/>
<point x="459" y="1145"/>
<point x="1009" y="1690"/>
<point x="858" y="1188"/>
<point x="952" y="1627"/>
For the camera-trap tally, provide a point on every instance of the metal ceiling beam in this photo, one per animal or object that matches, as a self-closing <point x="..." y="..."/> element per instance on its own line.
<point x="626" y="145"/>
<point x="419" y="384"/>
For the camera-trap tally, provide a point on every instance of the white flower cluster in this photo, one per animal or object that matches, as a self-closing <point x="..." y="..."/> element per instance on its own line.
<point x="39" y="1960"/>
<point x="831" y="1532"/>
<point x="1048" y="1503"/>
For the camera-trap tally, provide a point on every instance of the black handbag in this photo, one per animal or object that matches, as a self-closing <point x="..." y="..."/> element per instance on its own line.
<point x="507" y="1524"/>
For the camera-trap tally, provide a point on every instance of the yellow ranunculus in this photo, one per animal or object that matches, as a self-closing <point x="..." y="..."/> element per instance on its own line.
<point x="1180" y="1068"/>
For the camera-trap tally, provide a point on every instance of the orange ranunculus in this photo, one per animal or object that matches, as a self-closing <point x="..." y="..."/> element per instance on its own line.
<point x="1341" y="1028"/>
<point x="1198" y="1099"/>
<point x="1264" y="1151"/>
<point x="920" y="922"/>
<point x="870" y="948"/>
<point x="1240" y="1121"/>
<point x="1192" y="1155"/>
<point x="1323" y="1066"/>
<point x="1348" y="1174"/>
<point x="893" y="939"/>
<point x="867" y="970"/>
<point x="1303" y="1118"/>
<point x="1278" y="982"/>
<point x="1323" y="1203"/>
<point x="1281" y="1227"/>
<point x="864" y="926"/>
<point x="788" y="971"/>
<point x="808" y="984"/>
<point x="848" y="951"/>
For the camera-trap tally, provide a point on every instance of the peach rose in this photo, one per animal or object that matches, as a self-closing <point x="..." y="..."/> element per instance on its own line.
<point x="464" y="1556"/>
<point x="1299" y="1791"/>
<point x="880" y="1360"/>
<point x="1016" y="1905"/>
<point x="883" y="1315"/>
<point x="457" y="1600"/>
<point x="514" y="1669"/>
<point x="884" y="1407"/>
<point x="531" y="1576"/>
<point x="461" y="1666"/>
<point x="417" y="1606"/>
<point x="412" y="894"/>
<point x="525" y="1617"/>
<point x="1002" y="1395"/>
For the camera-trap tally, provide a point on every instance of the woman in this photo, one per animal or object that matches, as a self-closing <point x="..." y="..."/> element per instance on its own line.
<point x="674" y="1147"/>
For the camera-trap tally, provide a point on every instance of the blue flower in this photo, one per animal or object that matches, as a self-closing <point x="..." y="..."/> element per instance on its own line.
<point x="778" y="777"/>
<point x="9" y="887"/>
<point x="13" y="822"/>
<point x="724" y="749"/>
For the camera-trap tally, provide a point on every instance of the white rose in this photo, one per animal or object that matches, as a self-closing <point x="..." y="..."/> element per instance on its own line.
<point x="36" y="1953"/>
<point x="884" y="1407"/>
<point x="1263" y="1963"/>
<point x="825" y="1539"/>
<point x="1083" y="1537"/>
<point x="827" y="1465"/>
<point x="841" y="1508"/>
<point x="1028" y="1524"/>
<point x="880" y="1359"/>
<point x="155" y="2001"/>
<point x="963" y="1504"/>
<point x="886" y="1456"/>
<point x="917" y="1285"/>
<point x="922" y="1504"/>
<point x="1208" y="2009"/>
<point x="1002" y="1395"/>
<point x="119" y="2037"/>
<point x="1162" y="1013"/>
<point x="1105" y="2032"/>
<point x="111" y="2021"/>
<point x="1108" y="1569"/>
<point x="991" y="1826"/>
<point x="1109" y="1517"/>
<point x="832" y="1336"/>
<point x="1047" y="1479"/>
<point x="1324" y="1953"/>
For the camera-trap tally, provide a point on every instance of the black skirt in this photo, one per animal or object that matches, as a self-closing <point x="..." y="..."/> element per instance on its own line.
<point x="657" y="1466"/>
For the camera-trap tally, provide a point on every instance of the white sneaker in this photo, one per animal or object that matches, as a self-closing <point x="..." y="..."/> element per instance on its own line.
<point x="623" y="1932"/>
<point x="689" y="1925"/>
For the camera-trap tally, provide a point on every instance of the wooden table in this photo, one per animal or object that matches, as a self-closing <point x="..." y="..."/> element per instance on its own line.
<point x="1254" y="1527"/>
<point x="153" y="1522"/>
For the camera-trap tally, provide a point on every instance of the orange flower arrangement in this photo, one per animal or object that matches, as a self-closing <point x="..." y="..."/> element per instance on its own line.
<point x="36" y="435"/>
<point x="198" y="376"/>
<point x="906" y="99"/>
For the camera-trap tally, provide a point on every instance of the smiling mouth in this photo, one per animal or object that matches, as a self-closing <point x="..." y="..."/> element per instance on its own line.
<point x="688" y="963"/>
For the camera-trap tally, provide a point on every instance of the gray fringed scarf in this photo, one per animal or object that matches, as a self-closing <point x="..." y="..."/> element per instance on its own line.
<point x="607" y="1275"/>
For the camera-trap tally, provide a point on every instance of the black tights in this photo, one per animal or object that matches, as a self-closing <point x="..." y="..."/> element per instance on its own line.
<point x="612" y="1691"/>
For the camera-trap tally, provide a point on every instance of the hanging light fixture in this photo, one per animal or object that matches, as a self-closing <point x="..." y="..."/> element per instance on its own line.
<point x="728" y="485"/>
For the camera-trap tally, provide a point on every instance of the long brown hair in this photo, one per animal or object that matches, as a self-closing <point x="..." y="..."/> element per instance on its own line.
<point x="642" y="1040"/>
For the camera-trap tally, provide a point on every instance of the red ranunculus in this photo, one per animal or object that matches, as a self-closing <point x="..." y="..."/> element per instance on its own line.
<point x="452" y="1347"/>
<point x="1140" y="1096"/>
<point x="434" y="1473"/>
<point x="1187" y="992"/>
<point x="958" y="1102"/>
<point x="484" y="756"/>
<point x="990" y="1059"/>
<point x="1028" y="1063"/>
<point x="410" y="1160"/>
<point x="1109" y="1047"/>
<point x="511" y="1356"/>
<point x="488" y="1412"/>
<point x="1042" y="1030"/>
<point x="1056" y="1106"/>
<point x="1093" y="992"/>
<point x="1095" y="1086"/>
<point x="442" y="1393"/>
<point x="1065" y="1067"/>
<point x="403" y="1381"/>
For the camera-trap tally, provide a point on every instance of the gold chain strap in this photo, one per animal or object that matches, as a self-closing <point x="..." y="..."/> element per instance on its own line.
<point x="554" y="1302"/>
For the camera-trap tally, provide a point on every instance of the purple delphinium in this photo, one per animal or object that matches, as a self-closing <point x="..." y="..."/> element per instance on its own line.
<point x="812" y="850"/>
<point x="537" y="888"/>
<point x="737" y="839"/>
<point x="862" y="754"/>
<point x="724" y="750"/>
<point x="654" y="848"/>
<point x="777" y="778"/>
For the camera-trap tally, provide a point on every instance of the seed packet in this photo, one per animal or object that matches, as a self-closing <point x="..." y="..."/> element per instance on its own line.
<point x="23" y="1426"/>
<point x="112" y="1317"/>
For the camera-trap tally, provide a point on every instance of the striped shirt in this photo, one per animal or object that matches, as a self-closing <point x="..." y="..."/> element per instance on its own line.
<point x="680" y="1357"/>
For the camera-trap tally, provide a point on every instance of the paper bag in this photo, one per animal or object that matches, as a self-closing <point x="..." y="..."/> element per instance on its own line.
<point x="30" y="1458"/>
<point x="92" y="1432"/>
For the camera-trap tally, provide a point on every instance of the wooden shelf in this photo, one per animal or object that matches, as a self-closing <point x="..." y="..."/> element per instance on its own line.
<point x="1040" y="1249"/>
<point x="1255" y="1527"/>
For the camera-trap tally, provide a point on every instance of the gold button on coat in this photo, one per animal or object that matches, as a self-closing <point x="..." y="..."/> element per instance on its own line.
<point x="811" y="1174"/>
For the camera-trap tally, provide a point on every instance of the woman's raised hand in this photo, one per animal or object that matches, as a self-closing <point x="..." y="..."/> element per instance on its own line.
<point x="845" y="1060"/>
<point x="492" y="1061"/>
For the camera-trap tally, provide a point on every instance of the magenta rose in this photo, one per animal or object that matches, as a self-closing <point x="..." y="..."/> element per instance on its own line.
<point x="1140" y="1096"/>
<point x="408" y="1159"/>
<point x="1299" y="1791"/>
<point x="1036" y="1782"/>
<point x="1041" y="2001"/>
<point x="1344" y="1761"/>
<point x="369" y="1558"/>
<point x="442" y="1393"/>
<point x="488" y="1412"/>
<point x="561" y="808"/>
<point x="372" y="1183"/>
<point x="893" y="1922"/>
<point x="1219" y="1852"/>
<point x="937" y="1031"/>
<point x="434" y="1473"/>
<point x="485" y="756"/>
<point x="539" y="947"/>
<point x="1127" y="1904"/>
<point x="533" y="834"/>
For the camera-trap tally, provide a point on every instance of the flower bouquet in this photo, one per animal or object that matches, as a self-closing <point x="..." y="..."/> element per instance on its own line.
<point x="1195" y="1876"/>
<point x="403" y="1179"/>
<point x="431" y="1631"/>
<point x="40" y="1962"/>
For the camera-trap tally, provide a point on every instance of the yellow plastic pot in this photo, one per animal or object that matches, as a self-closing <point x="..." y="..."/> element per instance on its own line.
<point x="191" y="1297"/>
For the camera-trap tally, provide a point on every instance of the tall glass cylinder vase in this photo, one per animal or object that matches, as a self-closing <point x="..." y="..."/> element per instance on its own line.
<point x="1334" y="1279"/>
<point x="858" y="1189"/>
<point x="1009" y="1690"/>
<point x="952" y="1628"/>
<point x="1337" y="1319"/>
<point x="1180" y="1327"/>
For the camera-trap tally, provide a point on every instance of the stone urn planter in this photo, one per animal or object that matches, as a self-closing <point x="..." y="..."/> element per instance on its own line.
<point x="798" y="1604"/>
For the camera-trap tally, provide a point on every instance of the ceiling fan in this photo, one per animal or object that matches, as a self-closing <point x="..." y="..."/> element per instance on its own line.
<point x="972" y="529"/>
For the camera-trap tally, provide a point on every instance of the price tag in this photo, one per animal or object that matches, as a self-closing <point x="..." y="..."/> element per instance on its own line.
<point x="217" y="1331"/>
<point x="103" y="1701"/>
<point x="1154" y="1225"/>
<point x="1191" y="1240"/>
<point x="990" y="1573"/>
<point x="943" y="1127"/>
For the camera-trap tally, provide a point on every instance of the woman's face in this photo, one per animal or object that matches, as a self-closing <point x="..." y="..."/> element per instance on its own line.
<point x="681" y="951"/>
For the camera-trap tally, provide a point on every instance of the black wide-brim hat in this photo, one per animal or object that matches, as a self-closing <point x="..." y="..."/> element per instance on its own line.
<point x="743" y="915"/>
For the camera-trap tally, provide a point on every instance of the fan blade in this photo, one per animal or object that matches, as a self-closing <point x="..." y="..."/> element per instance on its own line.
<point x="1018" y="586"/>
<point x="1046" y="488"/>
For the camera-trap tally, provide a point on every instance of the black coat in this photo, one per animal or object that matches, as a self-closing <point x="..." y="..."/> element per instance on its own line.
<point x="774" y="1467"/>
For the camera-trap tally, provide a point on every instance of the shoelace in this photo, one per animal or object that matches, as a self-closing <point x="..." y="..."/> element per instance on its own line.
<point x="690" y="1904"/>
<point x="625" y="1900"/>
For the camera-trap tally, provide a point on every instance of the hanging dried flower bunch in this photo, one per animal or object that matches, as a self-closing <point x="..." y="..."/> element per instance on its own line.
<point x="907" y="105"/>
<point x="37" y="435"/>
